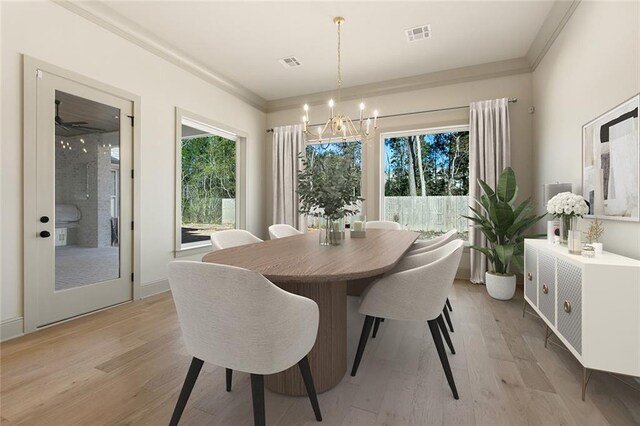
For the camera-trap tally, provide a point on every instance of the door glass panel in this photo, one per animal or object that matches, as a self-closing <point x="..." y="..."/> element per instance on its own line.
<point x="87" y="191"/>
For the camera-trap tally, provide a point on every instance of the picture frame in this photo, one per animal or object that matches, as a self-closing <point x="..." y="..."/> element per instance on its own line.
<point x="611" y="163"/>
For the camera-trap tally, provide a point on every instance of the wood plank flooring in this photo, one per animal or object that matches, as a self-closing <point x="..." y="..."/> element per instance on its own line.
<point x="126" y="366"/>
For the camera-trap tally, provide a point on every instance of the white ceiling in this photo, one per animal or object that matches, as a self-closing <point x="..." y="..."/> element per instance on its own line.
<point x="242" y="41"/>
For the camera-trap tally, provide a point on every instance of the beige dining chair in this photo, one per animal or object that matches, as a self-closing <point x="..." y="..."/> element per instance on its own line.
<point x="232" y="238"/>
<point x="433" y="243"/>
<point x="237" y="319"/>
<point x="422" y="246"/>
<point x="382" y="224"/>
<point x="281" y="230"/>
<point x="415" y="294"/>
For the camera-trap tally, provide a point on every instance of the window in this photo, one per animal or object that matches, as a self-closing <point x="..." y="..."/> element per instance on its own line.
<point x="426" y="180"/>
<point x="207" y="183"/>
<point x="325" y="151"/>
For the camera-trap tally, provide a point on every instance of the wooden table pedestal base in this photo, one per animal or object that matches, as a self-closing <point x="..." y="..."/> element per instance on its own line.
<point x="328" y="357"/>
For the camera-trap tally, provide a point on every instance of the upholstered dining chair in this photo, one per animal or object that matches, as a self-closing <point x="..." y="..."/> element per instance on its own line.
<point x="281" y="230"/>
<point x="232" y="238"/>
<point x="237" y="319"/>
<point x="382" y="224"/>
<point x="433" y="243"/>
<point x="415" y="294"/>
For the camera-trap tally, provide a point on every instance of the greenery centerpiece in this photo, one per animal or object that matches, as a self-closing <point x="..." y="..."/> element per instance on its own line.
<point x="327" y="188"/>
<point x="504" y="225"/>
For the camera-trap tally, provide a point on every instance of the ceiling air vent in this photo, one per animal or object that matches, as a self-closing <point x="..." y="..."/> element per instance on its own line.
<point x="418" y="33"/>
<point x="290" y="62"/>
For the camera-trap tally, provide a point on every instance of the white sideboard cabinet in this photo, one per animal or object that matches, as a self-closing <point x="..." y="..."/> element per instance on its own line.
<point x="591" y="304"/>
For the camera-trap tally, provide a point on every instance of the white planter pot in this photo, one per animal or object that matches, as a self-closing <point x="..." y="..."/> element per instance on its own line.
<point x="501" y="287"/>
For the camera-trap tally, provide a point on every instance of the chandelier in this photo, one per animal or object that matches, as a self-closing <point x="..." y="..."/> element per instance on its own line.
<point x="339" y="125"/>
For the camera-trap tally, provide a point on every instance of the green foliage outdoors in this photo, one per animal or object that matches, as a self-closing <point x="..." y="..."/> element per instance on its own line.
<point x="503" y="224"/>
<point x="427" y="165"/>
<point x="329" y="182"/>
<point x="208" y="176"/>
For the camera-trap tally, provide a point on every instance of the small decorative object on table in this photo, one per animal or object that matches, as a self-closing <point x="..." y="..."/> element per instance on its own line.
<point x="594" y="233"/>
<point x="588" y="251"/>
<point x="568" y="208"/>
<point x="358" y="225"/>
<point x="327" y="187"/>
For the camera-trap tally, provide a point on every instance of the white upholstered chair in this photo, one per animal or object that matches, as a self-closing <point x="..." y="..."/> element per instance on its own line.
<point x="232" y="238"/>
<point x="415" y="294"/>
<point x="433" y="243"/>
<point x="281" y="230"/>
<point x="237" y="319"/>
<point x="382" y="224"/>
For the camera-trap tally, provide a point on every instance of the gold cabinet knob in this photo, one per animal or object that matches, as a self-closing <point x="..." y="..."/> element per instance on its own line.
<point x="567" y="306"/>
<point x="545" y="289"/>
<point x="529" y="276"/>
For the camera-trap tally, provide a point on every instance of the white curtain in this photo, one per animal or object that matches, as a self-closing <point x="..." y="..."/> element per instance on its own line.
<point x="288" y="144"/>
<point x="489" y="154"/>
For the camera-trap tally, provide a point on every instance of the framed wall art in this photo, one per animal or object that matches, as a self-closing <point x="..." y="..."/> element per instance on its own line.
<point x="611" y="163"/>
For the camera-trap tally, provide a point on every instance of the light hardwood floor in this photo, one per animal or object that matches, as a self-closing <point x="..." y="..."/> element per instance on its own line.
<point x="126" y="365"/>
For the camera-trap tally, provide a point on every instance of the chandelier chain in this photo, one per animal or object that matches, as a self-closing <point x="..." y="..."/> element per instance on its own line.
<point x="339" y="67"/>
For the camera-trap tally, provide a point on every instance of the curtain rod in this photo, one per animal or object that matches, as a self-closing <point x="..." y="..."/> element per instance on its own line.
<point x="380" y="117"/>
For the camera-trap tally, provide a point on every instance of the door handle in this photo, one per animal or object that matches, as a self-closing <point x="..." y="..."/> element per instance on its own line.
<point x="545" y="289"/>
<point x="530" y="276"/>
<point x="45" y="234"/>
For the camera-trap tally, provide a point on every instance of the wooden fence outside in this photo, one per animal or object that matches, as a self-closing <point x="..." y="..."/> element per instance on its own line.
<point x="433" y="214"/>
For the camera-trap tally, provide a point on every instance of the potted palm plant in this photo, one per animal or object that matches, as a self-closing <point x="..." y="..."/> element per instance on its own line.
<point x="327" y="187"/>
<point x="504" y="225"/>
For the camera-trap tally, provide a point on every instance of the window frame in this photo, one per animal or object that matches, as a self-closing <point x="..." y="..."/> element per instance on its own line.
<point x="221" y="130"/>
<point x="401" y="133"/>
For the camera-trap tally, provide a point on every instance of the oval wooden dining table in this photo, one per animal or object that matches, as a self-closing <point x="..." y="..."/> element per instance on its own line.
<point x="300" y="265"/>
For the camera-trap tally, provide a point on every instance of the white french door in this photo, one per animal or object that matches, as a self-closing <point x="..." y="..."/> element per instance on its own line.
<point x="83" y="184"/>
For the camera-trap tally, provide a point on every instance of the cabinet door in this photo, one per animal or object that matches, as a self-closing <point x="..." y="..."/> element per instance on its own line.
<point x="569" y="303"/>
<point x="531" y="274"/>
<point x="547" y="285"/>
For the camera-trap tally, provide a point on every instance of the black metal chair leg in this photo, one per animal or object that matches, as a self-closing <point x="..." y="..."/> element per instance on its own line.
<point x="376" y="324"/>
<point x="305" y="370"/>
<point x="257" y="395"/>
<point x="435" y="332"/>
<point x="445" y="333"/>
<point x="229" y="379"/>
<point x="448" y="318"/>
<point x="366" y="329"/>
<point x="449" y="305"/>
<point x="381" y="319"/>
<point x="187" y="387"/>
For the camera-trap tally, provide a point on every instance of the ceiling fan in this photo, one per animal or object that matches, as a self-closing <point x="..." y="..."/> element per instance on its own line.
<point x="69" y="126"/>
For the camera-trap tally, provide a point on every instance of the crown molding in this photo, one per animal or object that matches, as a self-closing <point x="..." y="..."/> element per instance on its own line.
<point x="407" y="84"/>
<point x="557" y="18"/>
<point x="103" y="16"/>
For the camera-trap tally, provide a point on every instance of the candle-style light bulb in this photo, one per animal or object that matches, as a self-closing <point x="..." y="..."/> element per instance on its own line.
<point x="368" y="125"/>
<point x="331" y="104"/>
<point x="306" y="113"/>
<point x="375" y="119"/>
<point x="361" y="112"/>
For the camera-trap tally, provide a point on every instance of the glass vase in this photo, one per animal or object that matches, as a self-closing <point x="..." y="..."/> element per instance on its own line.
<point x="331" y="232"/>
<point x="568" y="223"/>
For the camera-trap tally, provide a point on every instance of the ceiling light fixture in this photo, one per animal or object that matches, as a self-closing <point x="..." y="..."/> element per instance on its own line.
<point x="340" y="125"/>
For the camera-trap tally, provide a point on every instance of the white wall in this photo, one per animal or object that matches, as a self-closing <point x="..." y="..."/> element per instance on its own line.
<point x="592" y="66"/>
<point x="518" y="86"/>
<point x="51" y="33"/>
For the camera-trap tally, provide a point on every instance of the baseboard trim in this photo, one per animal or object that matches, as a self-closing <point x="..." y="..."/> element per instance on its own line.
<point x="153" y="288"/>
<point x="11" y="328"/>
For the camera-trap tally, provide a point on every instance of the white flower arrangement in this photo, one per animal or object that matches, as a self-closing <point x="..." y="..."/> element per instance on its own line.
<point x="567" y="204"/>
